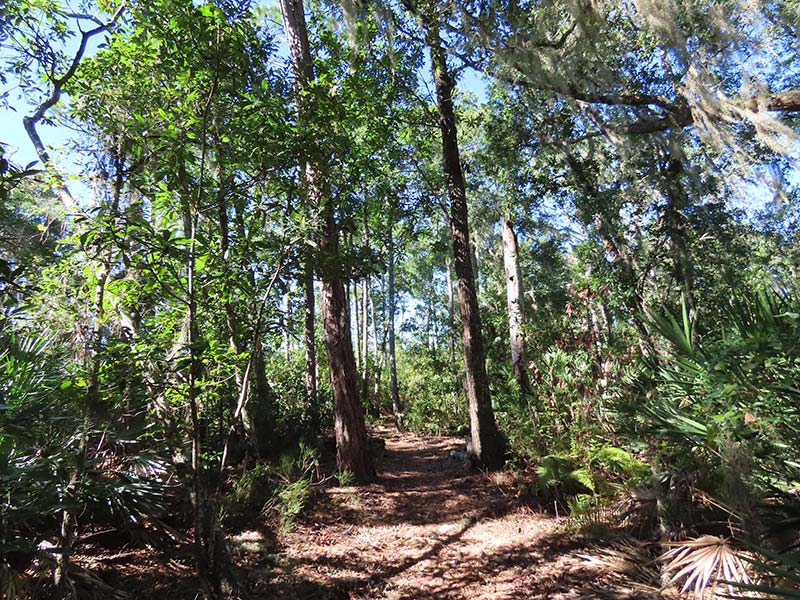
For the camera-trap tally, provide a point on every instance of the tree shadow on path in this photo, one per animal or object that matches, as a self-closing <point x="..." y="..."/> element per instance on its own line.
<point x="430" y="528"/>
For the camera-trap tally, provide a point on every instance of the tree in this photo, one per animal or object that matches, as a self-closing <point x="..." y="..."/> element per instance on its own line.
<point x="351" y="437"/>
<point x="187" y="293"/>
<point x="515" y="294"/>
<point x="486" y="442"/>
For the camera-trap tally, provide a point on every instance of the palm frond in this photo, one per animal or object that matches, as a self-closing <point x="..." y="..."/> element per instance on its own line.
<point x="679" y="333"/>
<point x="704" y="562"/>
<point x="781" y="573"/>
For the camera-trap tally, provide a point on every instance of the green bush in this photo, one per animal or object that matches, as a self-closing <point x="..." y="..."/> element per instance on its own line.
<point x="279" y="490"/>
<point x="721" y="410"/>
<point x="432" y="392"/>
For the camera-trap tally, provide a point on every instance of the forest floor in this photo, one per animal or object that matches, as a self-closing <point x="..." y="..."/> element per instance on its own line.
<point x="430" y="528"/>
<point x="433" y="528"/>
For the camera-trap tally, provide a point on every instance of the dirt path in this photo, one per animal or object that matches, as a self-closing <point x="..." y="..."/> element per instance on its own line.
<point x="429" y="529"/>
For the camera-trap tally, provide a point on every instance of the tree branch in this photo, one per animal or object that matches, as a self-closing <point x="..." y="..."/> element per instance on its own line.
<point x="30" y="122"/>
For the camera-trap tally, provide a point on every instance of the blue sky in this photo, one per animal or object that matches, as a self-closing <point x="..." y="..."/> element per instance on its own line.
<point x="20" y="149"/>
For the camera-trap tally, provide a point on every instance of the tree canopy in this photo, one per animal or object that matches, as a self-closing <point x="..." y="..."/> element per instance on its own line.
<point x="564" y="229"/>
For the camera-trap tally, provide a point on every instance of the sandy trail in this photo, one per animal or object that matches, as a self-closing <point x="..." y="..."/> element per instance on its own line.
<point x="430" y="528"/>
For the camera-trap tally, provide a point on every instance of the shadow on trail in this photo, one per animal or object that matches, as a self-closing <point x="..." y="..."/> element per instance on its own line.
<point x="418" y="485"/>
<point x="553" y="569"/>
<point x="429" y="529"/>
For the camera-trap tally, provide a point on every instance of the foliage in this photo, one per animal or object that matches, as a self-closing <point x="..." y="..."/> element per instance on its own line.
<point x="46" y="466"/>
<point x="780" y="576"/>
<point x="294" y="475"/>
<point x="159" y="316"/>
<point x="558" y="475"/>
<point x="733" y="391"/>
<point x="277" y="490"/>
<point x="703" y="562"/>
<point x="430" y="388"/>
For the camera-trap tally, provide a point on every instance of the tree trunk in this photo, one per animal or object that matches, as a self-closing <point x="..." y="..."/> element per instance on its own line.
<point x="285" y="318"/>
<point x="378" y="351"/>
<point x="516" y="307"/>
<point x="397" y="407"/>
<point x="308" y="329"/>
<point x="365" y="323"/>
<point x="451" y="325"/>
<point x="351" y="436"/>
<point x="257" y="413"/>
<point x="352" y="293"/>
<point x="487" y="445"/>
<point x="348" y="414"/>
<point x="216" y="572"/>
<point x="294" y="24"/>
<point x="365" y="367"/>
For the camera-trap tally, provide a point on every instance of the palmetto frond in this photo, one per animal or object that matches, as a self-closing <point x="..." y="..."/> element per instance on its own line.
<point x="781" y="577"/>
<point x="703" y="563"/>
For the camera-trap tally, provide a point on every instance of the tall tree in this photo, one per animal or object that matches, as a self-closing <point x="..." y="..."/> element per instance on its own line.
<point x="487" y="444"/>
<point x="349" y="426"/>
<point x="397" y="406"/>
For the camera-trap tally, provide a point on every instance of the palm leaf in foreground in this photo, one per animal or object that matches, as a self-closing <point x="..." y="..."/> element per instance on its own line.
<point x="781" y="573"/>
<point x="704" y="561"/>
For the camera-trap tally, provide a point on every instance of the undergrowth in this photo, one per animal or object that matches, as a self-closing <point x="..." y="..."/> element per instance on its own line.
<point x="278" y="491"/>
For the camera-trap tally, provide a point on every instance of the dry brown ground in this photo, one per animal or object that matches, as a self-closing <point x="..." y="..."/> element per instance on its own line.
<point x="432" y="528"/>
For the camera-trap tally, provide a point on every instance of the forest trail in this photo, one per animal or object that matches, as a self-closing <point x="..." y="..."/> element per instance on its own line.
<point x="430" y="528"/>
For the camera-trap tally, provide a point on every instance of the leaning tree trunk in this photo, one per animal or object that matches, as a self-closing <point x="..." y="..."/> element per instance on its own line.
<point x="516" y="306"/>
<point x="486" y="442"/>
<point x="351" y="436"/>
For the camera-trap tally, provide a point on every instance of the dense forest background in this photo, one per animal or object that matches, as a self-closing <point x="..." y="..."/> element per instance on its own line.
<point x="275" y="224"/>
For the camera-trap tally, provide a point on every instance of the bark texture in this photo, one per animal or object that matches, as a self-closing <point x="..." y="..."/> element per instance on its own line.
<point x="351" y="437"/>
<point x="486" y="442"/>
<point x="352" y="451"/>
<point x="451" y="322"/>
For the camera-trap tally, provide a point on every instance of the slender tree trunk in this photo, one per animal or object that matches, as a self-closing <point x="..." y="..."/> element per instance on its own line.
<point x="234" y="335"/>
<point x="252" y="423"/>
<point x="487" y="445"/>
<point x="357" y="322"/>
<point x="475" y="264"/>
<point x="216" y="573"/>
<point x="309" y="311"/>
<point x="365" y="298"/>
<point x="379" y="352"/>
<point x="428" y="323"/>
<point x="365" y="344"/>
<point x="285" y="318"/>
<point x="397" y="406"/>
<point x="349" y="427"/>
<point x="515" y="295"/>
<point x="294" y="24"/>
<point x="451" y="325"/>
